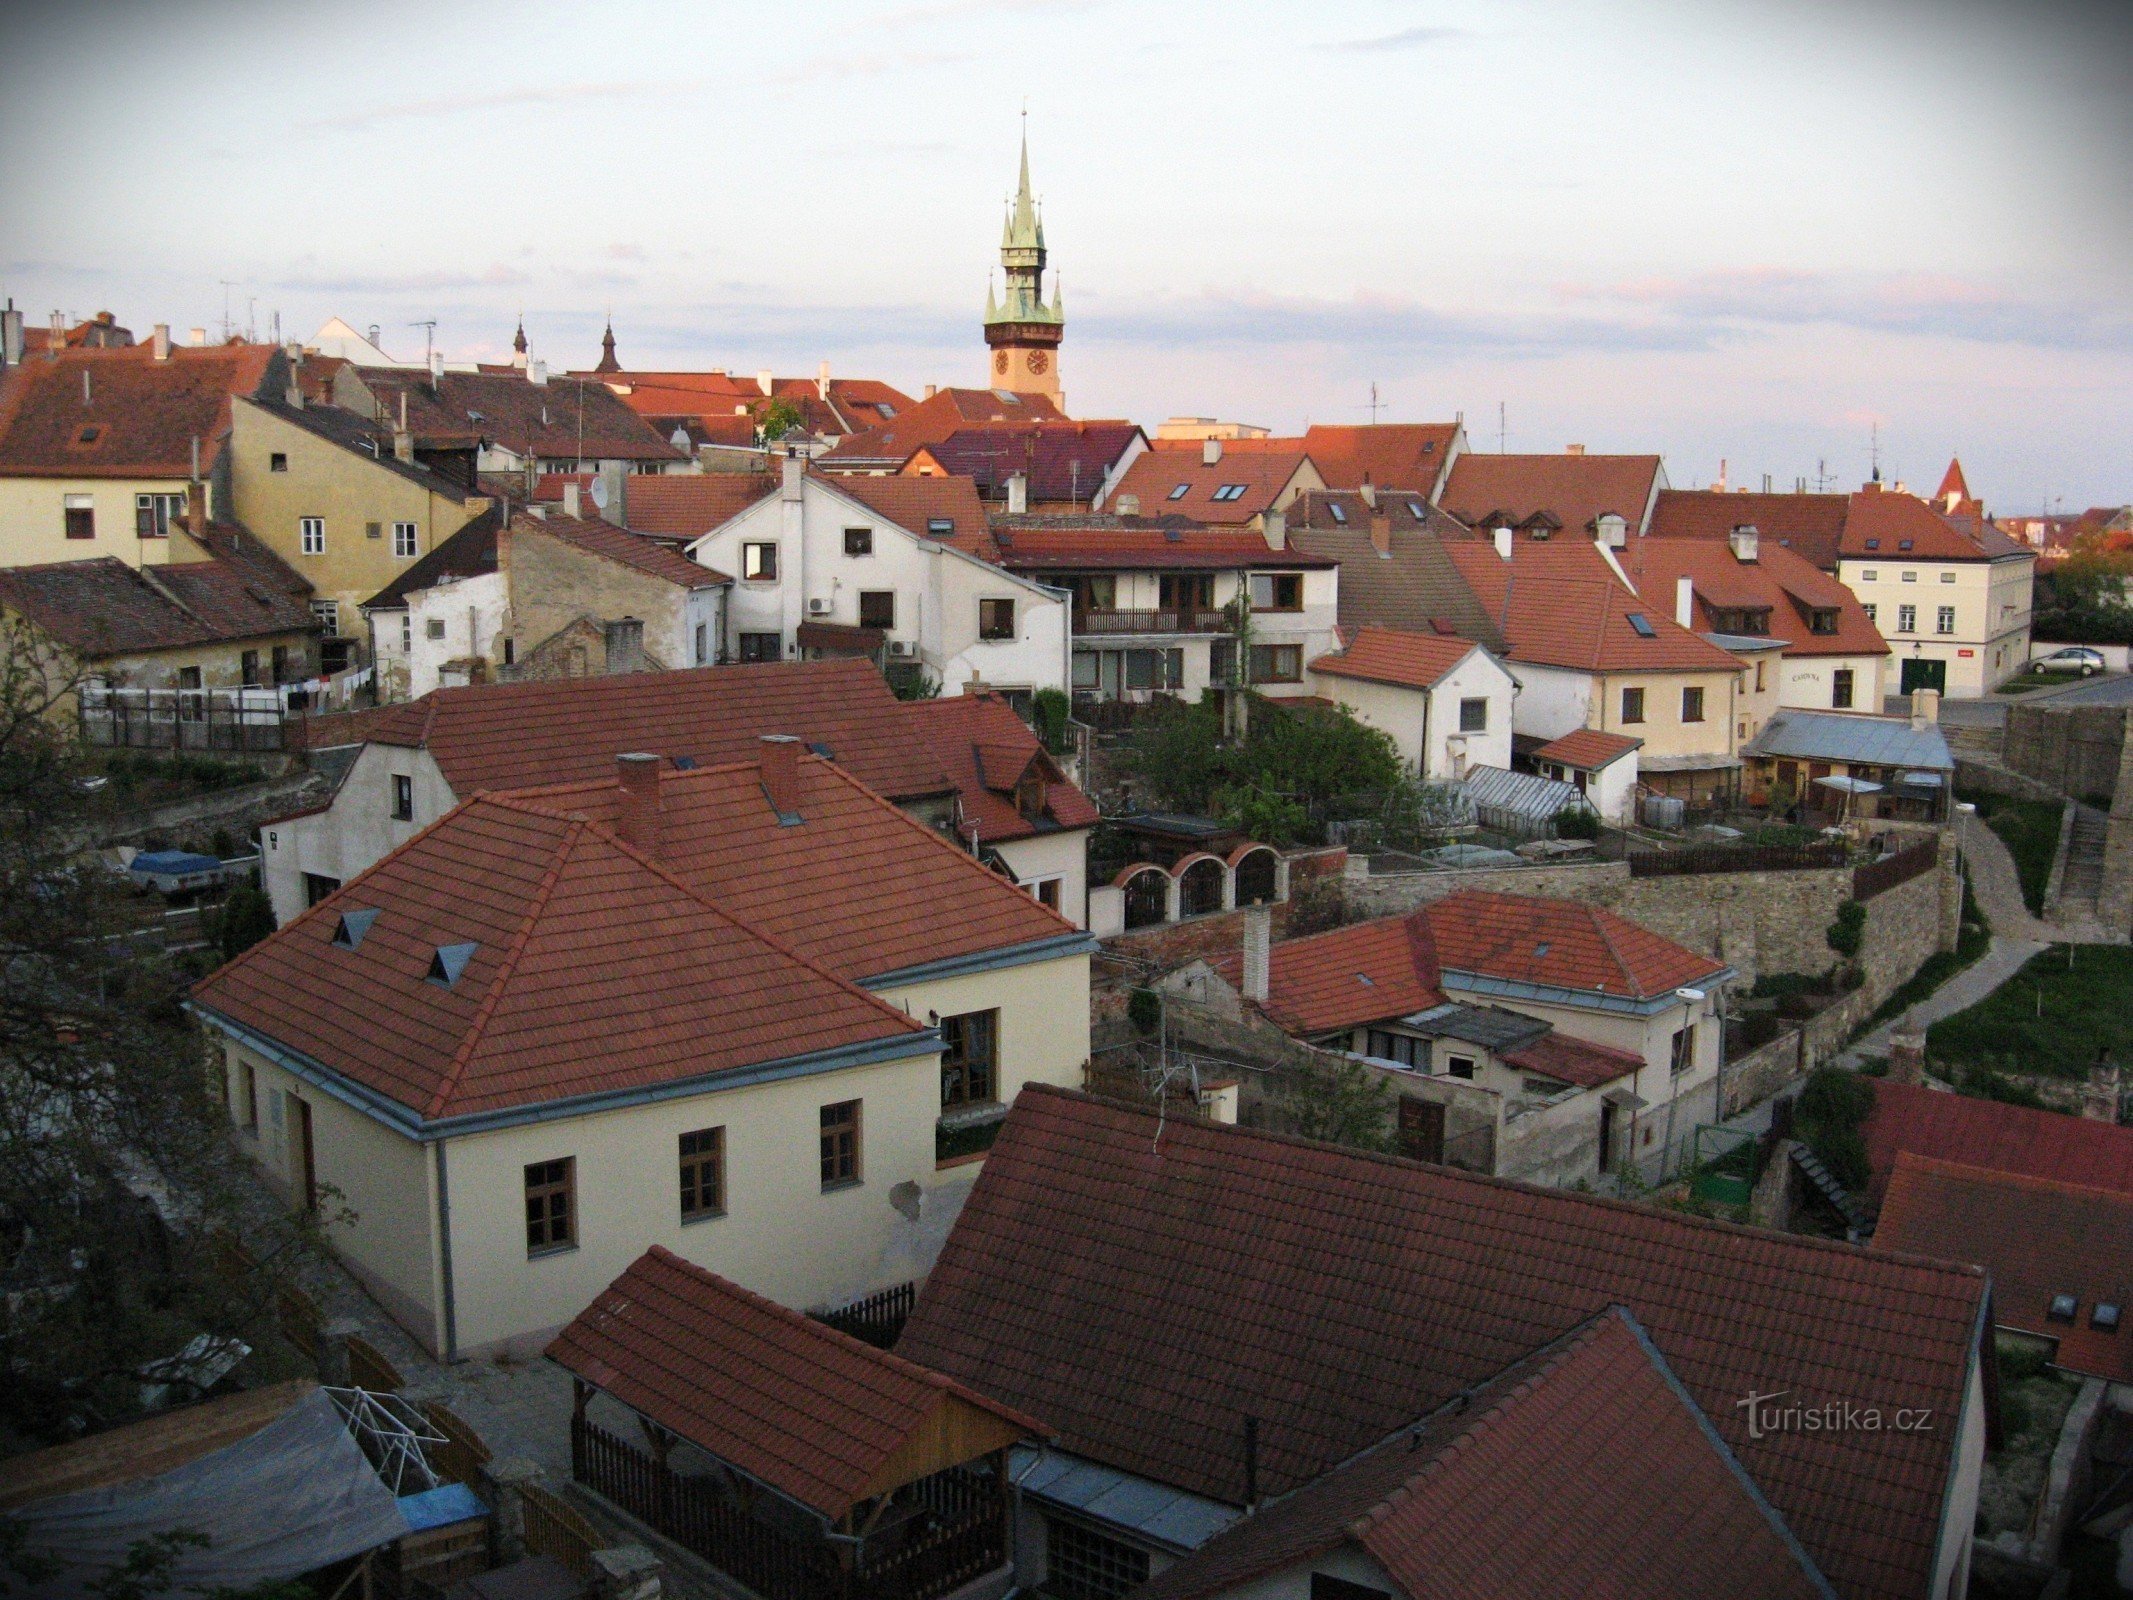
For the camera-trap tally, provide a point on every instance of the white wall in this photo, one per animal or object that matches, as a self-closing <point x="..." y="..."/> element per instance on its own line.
<point x="1064" y="856"/>
<point x="355" y="830"/>
<point x="473" y="611"/>
<point x="1552" y="701"/>
<point x="1807" y="683"/>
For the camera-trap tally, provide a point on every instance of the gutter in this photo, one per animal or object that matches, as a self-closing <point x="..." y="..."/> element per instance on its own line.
<point x="1076" y="943"/>
<point x="1586" y="999"/>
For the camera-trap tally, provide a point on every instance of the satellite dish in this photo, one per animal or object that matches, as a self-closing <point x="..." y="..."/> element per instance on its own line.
<point x="600" y="493"/>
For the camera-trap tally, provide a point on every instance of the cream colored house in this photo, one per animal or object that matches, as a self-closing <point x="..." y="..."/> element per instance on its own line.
<point x="1444" y="701"/>
<point x="562" y="1026"/>
<point x="1951" y="595"/>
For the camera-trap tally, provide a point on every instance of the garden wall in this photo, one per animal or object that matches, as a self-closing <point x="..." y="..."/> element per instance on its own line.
<point x="2073" y="749"/>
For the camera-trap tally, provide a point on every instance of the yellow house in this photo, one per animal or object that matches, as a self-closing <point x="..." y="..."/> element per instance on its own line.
<point x="98" y="447"/>
<point x="326" y="491"/>
<point x="1952" y="595"/>
<point x="562" y="1026"/>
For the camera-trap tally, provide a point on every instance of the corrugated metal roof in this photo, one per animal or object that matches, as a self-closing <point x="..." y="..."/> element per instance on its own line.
<point x="1867" y="741"/>
<point x="1525" y="793"/>
<point x="1169" y="1516"/>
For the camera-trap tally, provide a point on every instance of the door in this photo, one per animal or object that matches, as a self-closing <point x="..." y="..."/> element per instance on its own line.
<point x="1421" y="1129"/>
<point x="1920" y="673"/>
<point x="306" y="1174"/>
<point x="1607" y="1135"/>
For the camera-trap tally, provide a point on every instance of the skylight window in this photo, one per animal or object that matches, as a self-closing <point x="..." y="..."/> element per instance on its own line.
<point x="2103" y="1317"/>
<point x="1903" y="544"/>
<point x="1230" y="491"/>
<point x="1541" y="949"/>
<point x="939" y="527"/>
<point x="1873" y="544"/>
<point x="90" y="434"/>
<point x="1642" y="625"/>
<point x="685" y="763"/>
<point x="1414" y="509"/>
<point x="349" y="931"/>
<point x="448" y="961"/>
<point x="1337" y="511"/>
<point x="1180" y="492"/>
<point x="2062" y="1308"/>
<point x="885" y="408"/>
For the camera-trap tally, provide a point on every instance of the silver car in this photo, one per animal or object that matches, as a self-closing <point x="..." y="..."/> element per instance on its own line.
<point x="2073" y="658"/>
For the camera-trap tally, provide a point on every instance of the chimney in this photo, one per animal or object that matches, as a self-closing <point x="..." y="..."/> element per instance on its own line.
<point x="639" y="822"/>
<point x="1745" y="541"/>
<point x="1210" y="452"/>
<point x="932" y="389"/>
<point x="1907" y="1056"/>
<point x="766" y="381"/>
<point x="1573" y="449"/>
<point x="616" y="477"/>
<point x="570" y="500"/>
<point x="59" y="338"/>
<point x="196" y="508"/>
<point x="1503" y="543"/>
<point x="1017" y="494"/>
<point x="403" y="440"/>
<point x="1925" y="707"/>
<point x="161" y="341"/>
<point x="1369" y="492"/>
<point x="822" y="380"/>
<point x="11" y="341"/>
<point x="198" y="336"/>
<point x="1381" y="533"/>
<point x="2099" y="1101"/>
<point x="1276" y="524"/>
<point x="1258" y="951"/>
<point x="625" y="645"/>
<point x="537" y="373"/>
<point x="1685" y="601"/>
<point x="436" y="369"/>
<point x="779" y="759"/>
<point x="792" y="472"/>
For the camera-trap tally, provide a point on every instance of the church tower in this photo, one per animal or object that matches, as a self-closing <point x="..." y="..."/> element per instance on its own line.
<point x="1022" y="332"/>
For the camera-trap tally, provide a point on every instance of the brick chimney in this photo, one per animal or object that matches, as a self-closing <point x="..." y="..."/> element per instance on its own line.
<point x="1258" y="951"/>
<point x="779" y="759"/>
<point x="625" y="645"/>
<point x="1907" y="1056"/>
<point x="196" y="508"/>
<point x="639" y="823"/>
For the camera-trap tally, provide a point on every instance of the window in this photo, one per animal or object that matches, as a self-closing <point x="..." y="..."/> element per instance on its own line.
<point x="279" y="660"/>
<point x="858" y="541"/>
<point x="327" y="614"/>
<point x="1641" y="626"/>
<point x="1759" y="677"/>
<point x="1459" y="1066"/>
<point x="403" y="539"/>
<point x="1277" y="663"/>
<point x="703" y="642"/>
<point x="877" y="608"/>
<point x="840" y="1144"/>
<point x="433" y="628"/>
<point x="703" y="1174"/>
<point x="152" y="514"/>
<point x="551" y="1209"/>
<point x="317" y="886"/>
<point x="1907" y="619"/>
<point x="81" y="516"/>
<point x="373" y="530"/>
<point x="311" y="535"/>
<point x="1684" y="1050"/>
<point x="1823" y="619"/>
<point x="996" y="619"/>
<point x="1944" y="620"/>
<point x="2061" y="1309"/>
<point x="1180" y="492"/>
<point x="1277" y="591"/>
<point x="1871" y="612"/>
<point x="1086" y="1565"/>
<point x="1474" y="715"/>
<point x="1337" y="511"/>
<point x="759" y="562"/>
<point x="278" y="461"/>
<point x="759" y="647"/>
<point x="403" y="797"/>
<point x="1229" y="492"/>
<point x="407" y="634"/>
<point x="970" y="1056"/>
<point x="1869" y="575"/>
<point x="248" y="669"/>
<point x="1840" y="689"/>
<point x="1873" y="544"/>
<point x="1046" y="891"/>
<point x="1910" y="577"/>
<point x="1401" y="1048"/>
<point x="1904" y="544"/>
<point x="1692" y="705"/>
<point x="247" y="1097"/>
<point x="1947" y="577"/>
<point x="940" y="527"/>
<point x="1632" y="705"/>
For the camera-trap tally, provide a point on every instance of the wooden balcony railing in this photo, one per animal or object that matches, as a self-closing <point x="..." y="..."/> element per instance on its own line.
<point x="1089" y="620"/>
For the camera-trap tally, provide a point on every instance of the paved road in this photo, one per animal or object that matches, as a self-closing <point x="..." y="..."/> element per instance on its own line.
<point x="2109" y="689"/>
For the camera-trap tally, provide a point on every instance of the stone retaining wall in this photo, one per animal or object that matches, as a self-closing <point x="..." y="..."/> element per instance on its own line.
<point x="2073" y="749"/>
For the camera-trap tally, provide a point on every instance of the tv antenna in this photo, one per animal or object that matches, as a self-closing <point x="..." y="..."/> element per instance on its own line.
<point x="429" y="340"/>
<point x="1375" y="405"/>
<point x="227" y="285"/>
<point x="1500" y="430"/>
<point x="1821" y="475"/>
<point x="1877" y="452"/>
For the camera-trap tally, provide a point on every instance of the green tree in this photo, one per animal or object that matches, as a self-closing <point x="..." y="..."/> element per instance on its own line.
<point x="774" y="419"/>
<point x="1317" y="761"/>
<point x="1334" y="1099"/>
<point x="246" y="917"/>
<point x="106" y="1098"/>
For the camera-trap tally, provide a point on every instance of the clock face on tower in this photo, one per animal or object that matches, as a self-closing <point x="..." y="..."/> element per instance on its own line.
<point x="999" y="362"/>
<point x="1038" y="361"/>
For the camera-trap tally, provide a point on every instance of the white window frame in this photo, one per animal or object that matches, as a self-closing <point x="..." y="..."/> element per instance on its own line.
<point x="407" y="537"/>
<point x="311" y="535"/>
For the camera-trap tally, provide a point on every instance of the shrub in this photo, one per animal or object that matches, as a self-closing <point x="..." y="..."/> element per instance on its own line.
<point x="1827" y="1118"/>
<point x="246" y="918"/>
<point x="1575" y="822"/>
<point x="1050" y="708"/>
<point x="1756" y="1028"/>
<point x="1144" y="1009"/>
<point x="1848" y="932"/>
<point x="2020" y="1361"/>
<point x="1317" y="906"/>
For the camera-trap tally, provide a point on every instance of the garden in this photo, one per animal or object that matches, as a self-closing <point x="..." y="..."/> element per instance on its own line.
<point x="2030" y="830"/>
<point x="2002" y="1048"/>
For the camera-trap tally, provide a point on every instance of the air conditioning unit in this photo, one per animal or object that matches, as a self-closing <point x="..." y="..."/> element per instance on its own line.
<point x="902" y="647"/>
<point x="818" y="608"/>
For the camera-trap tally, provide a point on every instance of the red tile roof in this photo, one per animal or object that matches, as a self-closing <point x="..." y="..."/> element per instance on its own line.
<point x="600" y="538"/>
<point x="1390" y="655"/>
<point x="1062" y="460"/>
<point x="710" y="399"/>
<point x="1156" y="480"/>
<point x="1394" y="965"/>
<point x="1576" y="490"/>
<point x="857" y="886"/>
<point x="1388" y="455"/>
<point x="933" y="419"/>
<point x="2037" y="1237"/>
<point x="1041" y="545"/>
<point x="1578" y="1061"/>
<point x="1788" y="586"/>
<point x="1809" y="525"/>
<point x="566" y="417"/>
<point x="102" y="607"/>
<point x="1886" y="524"/>
<point x="2004" y="1138"/>
<point x="522" y="735"/>
<point x="120" y="413"/>
<point x="688" y="505"/>
<point x="593" y="969"/>
<point x="1588" y="749"/>
<point x="817" y="1415"/>
<point x="1585" y="1469"/>
<point x="914" y="504"/>
<point x="1560" y="605"/>
<point x="1144" y="1290"/>
<point x="985" y="748"/>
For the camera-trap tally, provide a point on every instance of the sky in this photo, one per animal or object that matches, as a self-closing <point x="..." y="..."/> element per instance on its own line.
<point x="1730" y="231"/>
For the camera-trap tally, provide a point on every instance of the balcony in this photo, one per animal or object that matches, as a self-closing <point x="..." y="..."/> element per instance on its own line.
<point x="1172" y="622"/>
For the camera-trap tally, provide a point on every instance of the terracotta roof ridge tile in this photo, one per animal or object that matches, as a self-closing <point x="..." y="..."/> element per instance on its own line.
<point x="1835" y="1249"/>
<point x="1614" y="952"/>
<point x="455" y="1069"/>
<point x="2036" y="1182"/>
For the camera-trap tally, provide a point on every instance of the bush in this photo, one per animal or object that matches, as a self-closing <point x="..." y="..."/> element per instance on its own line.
<point x="1848" y="932"/>
<point x="1796" y="1007"/>
<point x="1575" y="822"/>
<point x="2020" y="1361"/>
<point x="1756" y="1028"/>
<point x="1311" y="762"/>
<point x="1144" y="1009"/>
<point x="246" y="918"/>
<point x="1317" y="906"/>
<point x="1982" y="1083"/>
<point x="1050" y="708"/>
<point x="1827" y="1117"/>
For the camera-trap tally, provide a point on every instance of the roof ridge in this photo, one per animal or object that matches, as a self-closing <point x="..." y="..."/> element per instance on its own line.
<point x="1671" y="1219"/>
<point x="457" y="1066"/>
<point x="1946" y="1167"/>
<point x="1614" y="951"/>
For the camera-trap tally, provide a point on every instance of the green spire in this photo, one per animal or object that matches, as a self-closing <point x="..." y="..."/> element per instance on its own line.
<point x="1022" y="256"/>
<point x="1024" y="231"/>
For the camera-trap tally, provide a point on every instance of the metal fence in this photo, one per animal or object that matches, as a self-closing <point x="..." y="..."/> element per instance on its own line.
<point x="1702" y="858"/>
<point x="182" y="719"/>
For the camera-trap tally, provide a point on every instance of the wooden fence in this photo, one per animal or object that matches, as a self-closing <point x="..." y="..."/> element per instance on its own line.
<point x="1704" y="858"/>
<point x="368" y="1368"/>
<point x="554" y="1529"/>
<point x="299" y="1318"/>
<point x="463" y="1454"/>
<point x="878" y="1319"/>
<point x="1910" y="862"/>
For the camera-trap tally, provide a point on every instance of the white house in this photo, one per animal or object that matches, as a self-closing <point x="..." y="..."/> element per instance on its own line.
<point x="820" y="571"/>
<point x="1445" y="701"/>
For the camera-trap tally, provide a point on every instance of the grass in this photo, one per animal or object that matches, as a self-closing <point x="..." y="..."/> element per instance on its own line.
<point x="2030" y="830"/>
<point x="1971" y="941"/>
<point x="2037" y="680"/>
<point x="2082" y="990"/>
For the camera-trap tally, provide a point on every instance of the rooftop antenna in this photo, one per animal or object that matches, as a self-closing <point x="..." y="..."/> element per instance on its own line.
<point x="429" y="337"/>
<point x="227" y="285"/>
<point x="1821" y="475"/>
<point x="1375" y="405"/>
<point x="251" y="319"/>
<point x="1877" y="451"/>
<point x="1500" y="431"/>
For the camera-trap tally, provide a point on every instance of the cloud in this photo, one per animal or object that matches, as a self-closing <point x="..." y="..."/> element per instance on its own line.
<point x="496" y="277"/>
<point x="873" y="64"/>
<point x="1916" y="304"/>
<point x="1405" y="39"/>
<point x="560" y="94"/>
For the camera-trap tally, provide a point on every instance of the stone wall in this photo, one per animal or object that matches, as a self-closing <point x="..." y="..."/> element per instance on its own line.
<point x="192" y="823"/>
<point x="1986" y="777"/>
<point x="2072" y="749"/>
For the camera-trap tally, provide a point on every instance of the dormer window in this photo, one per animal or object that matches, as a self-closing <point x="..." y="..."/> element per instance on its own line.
<point x="1337" y="511"/>
<point x="448" y="961"/>
<point x="349" y="931"/>
<point x="2061" y="1309"/>
<point x="1823" y="619"/>
<point x="2103" y="1316"/>
<point x="1029" y="795"/>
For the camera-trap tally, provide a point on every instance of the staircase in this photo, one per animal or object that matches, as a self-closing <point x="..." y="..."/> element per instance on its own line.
<point x="1857" y="1225"/>
<point x="2083" y="878"/>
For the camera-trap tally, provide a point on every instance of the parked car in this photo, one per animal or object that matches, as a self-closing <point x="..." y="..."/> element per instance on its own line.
<point x="2072" y="658"/>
